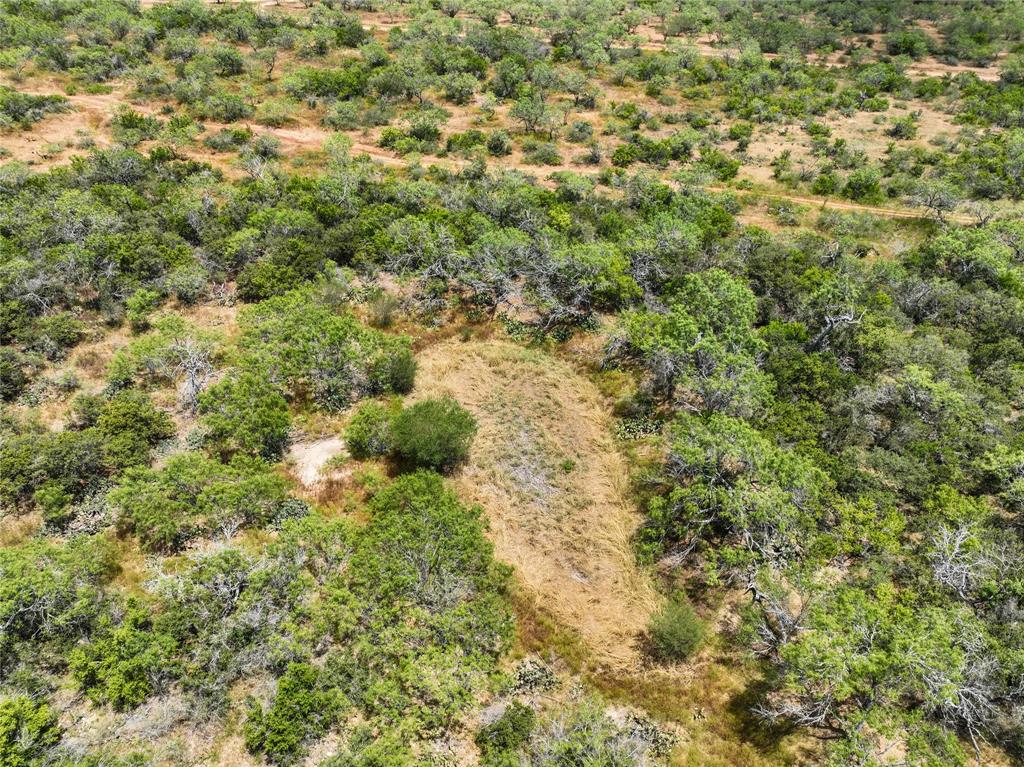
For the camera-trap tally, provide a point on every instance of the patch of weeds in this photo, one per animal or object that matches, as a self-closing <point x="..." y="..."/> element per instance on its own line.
<point x="533" y="676"/>
<point x="636" y="427"/>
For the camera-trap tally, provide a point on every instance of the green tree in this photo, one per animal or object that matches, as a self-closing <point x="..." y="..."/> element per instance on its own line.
<point x="706" y="357"/>
<point x="532" y="110"/>
<point x="123" y="664"/>
<point x="246" y="414"/>
<point x="131" y="425"/>
<point x="501" y="740"/>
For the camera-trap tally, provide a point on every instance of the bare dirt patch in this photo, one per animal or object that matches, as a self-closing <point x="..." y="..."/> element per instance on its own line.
<point x="310" y="458"/>
<point x="545" y="469"/>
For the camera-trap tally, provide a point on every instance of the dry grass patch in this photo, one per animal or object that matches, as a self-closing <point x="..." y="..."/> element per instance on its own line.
<point x="547" y="472"/>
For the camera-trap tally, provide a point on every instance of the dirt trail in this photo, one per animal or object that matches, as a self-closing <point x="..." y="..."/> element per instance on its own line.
<point x="825" y="203"/>
<point x="545" y="469"/>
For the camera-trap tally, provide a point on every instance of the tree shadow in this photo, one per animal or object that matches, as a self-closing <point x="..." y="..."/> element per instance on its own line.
<point x="750" y="727"/>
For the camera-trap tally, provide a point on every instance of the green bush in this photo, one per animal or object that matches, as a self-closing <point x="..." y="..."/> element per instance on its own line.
<point x="864" y="185"/>
<point x="74" y="461"/>
<point x="246" y="414"/>
<point x="434" y="434"/>
<point x="23" y="109"/>
<point x="50" y="594"/>
<point x="740" y="130"/>
<point x="13" y="378"/>
<point x="499" y="144"/>
<point x="541" y="153"/>
<point x="394" y="371"/>
<point x="369" y="432"/>
<point x="283" y="268"/>
<point x="54" y="501"/>
<point x="123" y="665"/>
<point x="130" y="127"/>
<point x="825" y="184"/>
<point x="28" y="730"/>
<point x="499" y="741"/>
<point x="675" y="631"/>
<point x="303" y="709"/>
<point x="138" y="308"/>
<point x="131" y="425"/>
<point x="192" y="493"/>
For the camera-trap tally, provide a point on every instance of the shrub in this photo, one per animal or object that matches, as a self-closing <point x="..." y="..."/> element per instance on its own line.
<point x="54" y="334"/>
<point x="228" y="139"/>
<point x="72" y="460"/>
<point x="499" y="740"/>
<point x="740" y="130"/>
<point x="302" y="709"/>
<point x="131" y="127"/>
<point x="394" y="371"/>
<point x="369" y="432"/>
<point x="325" y="354"/>
<point x="123" y="665"/>
<point x="864" y="185"/>
<point x="465" y="142"/>
<point x="903" y="128"/>
<point x="283" y="268"/>
<point x="541" y="153"/>
<point x="625" y="155"/>
<point x="580" y="131"/>
<point x="675" y="631"/>
<point x="246" y="414"/>
<point x="55" y="503"/>
<point x="131" y="425"/>
<point x="459" y="88"/>
<point x="28" y="729"/>
<point x="13" y="378"/>
<point x="139" y="307"/>
<point x="825" y="184"/>
<point x="719" y="164"/>
<point x="434" y="433"/>
<point x="499" y="144"/>
<point x="382" y="309"/>
<point x="23" y="109"/>
<point x="275" y="113"/>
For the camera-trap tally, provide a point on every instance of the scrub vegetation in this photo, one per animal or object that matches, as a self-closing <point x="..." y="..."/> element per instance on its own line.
<point x="543" y="384"/>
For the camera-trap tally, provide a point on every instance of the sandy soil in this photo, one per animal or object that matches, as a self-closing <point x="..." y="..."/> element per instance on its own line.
<point x="310" y="458"/>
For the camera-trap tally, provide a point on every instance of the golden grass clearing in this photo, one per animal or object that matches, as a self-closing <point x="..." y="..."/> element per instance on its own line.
<point x="547" y="472"/>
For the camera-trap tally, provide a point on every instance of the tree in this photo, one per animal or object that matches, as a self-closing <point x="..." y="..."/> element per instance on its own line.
<point x="706" y="359"/>
<point x="131" y="425"/>
<point x="864" y="185"/>
<point x="123" y="664"/>
<point x="192" y="494"/>
<point x="246" y="414"/>
<point x="13" y="375"/>
<point x="425" y="548"/>
<point x="501" y="740"/>
<point x="938" y="197"/>
<point x="313" y="350"/>
<point x="737" y="499"/>
<point x="303" y="709"/>
<point x="867" y="662"/>
<point x="532" y="111"/>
